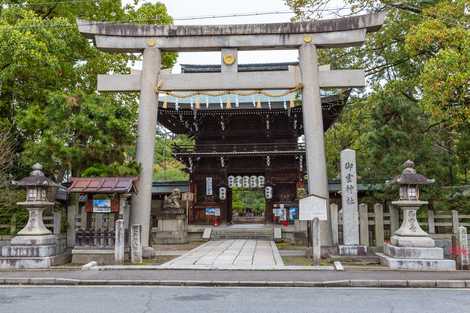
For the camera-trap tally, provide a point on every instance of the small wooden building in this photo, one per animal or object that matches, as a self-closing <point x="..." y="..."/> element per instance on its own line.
<point x="101" y="201"/>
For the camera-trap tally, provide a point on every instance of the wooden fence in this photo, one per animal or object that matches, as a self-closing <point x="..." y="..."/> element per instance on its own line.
<point x="9" y="224"/>
<point x="376" y="225"/>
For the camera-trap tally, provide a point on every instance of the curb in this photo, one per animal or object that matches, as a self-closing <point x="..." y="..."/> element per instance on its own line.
<point x="214" y="283"/>
<point x="212" y="268"/>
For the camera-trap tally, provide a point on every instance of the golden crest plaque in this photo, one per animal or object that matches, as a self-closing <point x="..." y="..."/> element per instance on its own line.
<point x="151" y="42"/>
<point x="229" y="59"/>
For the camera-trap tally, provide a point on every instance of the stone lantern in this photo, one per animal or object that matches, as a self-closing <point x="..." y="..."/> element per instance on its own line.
<point x="40" y="193"/>
<point x="410" y="246"/>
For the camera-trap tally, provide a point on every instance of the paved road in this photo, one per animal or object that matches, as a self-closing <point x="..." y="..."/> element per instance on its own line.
<point x="228" y="300"/>
<point x="228" y="253"/>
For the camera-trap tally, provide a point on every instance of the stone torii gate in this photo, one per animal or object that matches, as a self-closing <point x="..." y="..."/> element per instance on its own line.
<point x="307" y="37"/>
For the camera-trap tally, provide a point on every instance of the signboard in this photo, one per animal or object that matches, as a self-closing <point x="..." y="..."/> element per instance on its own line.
<point x="213" y="211"/>
<point x="311" y="207"/>
<point x="209" y="191"/>
<point x="187" y="196"/>
<point x="101" y="205"/>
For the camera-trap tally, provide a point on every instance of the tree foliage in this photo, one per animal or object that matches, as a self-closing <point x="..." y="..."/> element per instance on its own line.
<point x="251" y="199"/>
<point x="416" y="105"/>
<point x="48" y="86"/>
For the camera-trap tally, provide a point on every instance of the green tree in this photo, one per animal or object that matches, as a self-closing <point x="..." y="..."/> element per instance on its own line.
<point x="416" y="103"/>
<point x="48" y="86"/>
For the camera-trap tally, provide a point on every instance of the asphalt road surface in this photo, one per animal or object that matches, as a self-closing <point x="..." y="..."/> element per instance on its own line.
<point x="239" y="300"/>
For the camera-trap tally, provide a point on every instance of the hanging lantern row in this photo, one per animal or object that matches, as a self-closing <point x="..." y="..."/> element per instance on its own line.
<point x="268" y="192"/>
<point x="245" y="181"/>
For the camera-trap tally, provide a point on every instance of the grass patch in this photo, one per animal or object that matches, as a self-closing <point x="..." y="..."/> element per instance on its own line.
<point x="289" y="246"/>
<point x="303" y="261"/>
<point x="158" y="260"/>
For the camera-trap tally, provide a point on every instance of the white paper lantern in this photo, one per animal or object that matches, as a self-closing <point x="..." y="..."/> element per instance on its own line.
<point x="238" y="181"/>
<point x="261" y="181"/>
<point x="268" y="192"/>
<point x="253" y="181"/>
<point x="222" y="193"/>
<point x="246" y="181"/>
<point x="231" y="181"/>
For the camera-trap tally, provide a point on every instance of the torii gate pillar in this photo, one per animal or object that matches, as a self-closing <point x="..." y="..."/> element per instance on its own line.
<point x="147" y="125"/>
<point x="313" y="129"/>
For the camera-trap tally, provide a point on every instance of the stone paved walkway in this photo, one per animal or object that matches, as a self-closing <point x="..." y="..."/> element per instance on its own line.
<point x="229" y="254"/>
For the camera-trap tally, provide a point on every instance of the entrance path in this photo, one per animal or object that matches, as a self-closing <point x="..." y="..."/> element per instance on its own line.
<point x="230" y="254"/>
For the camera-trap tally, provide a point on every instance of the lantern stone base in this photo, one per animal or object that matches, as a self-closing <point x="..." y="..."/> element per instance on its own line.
<point x="171" y="230"/>
<point x="352" y="250"/>
<point x="34" y="252"/>
<point x="414" y="252"/>
<point x="417" y="264"/>
<point x="33" y="262"/>
<point x="412" y="241"/>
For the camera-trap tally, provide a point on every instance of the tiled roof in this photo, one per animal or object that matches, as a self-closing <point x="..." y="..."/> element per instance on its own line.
<point x="103" y="184"/>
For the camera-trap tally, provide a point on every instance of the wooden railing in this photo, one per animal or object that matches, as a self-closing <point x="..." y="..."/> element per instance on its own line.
<point x="95" y="238"/>
<point x="376" y="224"/>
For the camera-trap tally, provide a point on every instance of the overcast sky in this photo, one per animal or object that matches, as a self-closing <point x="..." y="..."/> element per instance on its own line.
<point x="190" y="8"/>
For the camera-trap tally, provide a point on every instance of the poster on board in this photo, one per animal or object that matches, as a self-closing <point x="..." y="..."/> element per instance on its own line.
<point x="101" y="205"/>
<point x="311" y="207"/>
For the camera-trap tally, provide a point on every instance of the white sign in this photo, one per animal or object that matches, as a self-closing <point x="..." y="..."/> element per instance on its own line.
<point x="187" y="196"/>
<point x="311" y="207"/>
<point x="208" y="186"/>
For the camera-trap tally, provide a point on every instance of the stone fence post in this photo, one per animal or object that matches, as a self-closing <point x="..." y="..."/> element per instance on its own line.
<point x="363" y="224"/>
<point x="394" y="218"/>
<point x="461" y="249"/>
<point x="334" y="222"/>
<point x="136" y="243"/>
<point x="431" y="222"/>
<point x="316" y="243"/>
<point x="455" y="221"/>
<point x="57" y="222"/>
<point x="379" y="226"/>
<point x="119" y="242"/>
